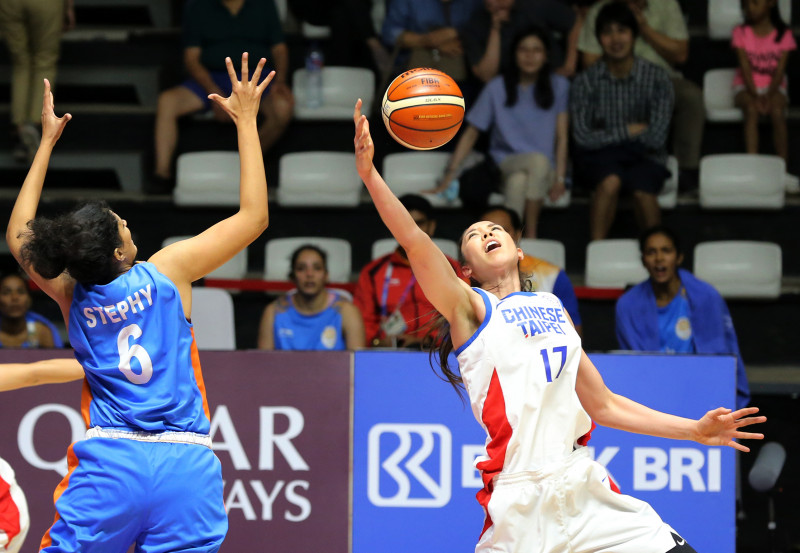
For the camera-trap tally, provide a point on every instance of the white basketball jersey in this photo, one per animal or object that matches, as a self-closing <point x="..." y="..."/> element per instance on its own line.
<point x="519" y="369"/>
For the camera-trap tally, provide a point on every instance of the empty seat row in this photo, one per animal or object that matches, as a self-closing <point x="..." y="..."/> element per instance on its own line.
<point x="329" y="179"/>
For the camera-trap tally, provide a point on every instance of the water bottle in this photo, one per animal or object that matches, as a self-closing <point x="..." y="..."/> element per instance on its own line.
<point x="314" y="63"/>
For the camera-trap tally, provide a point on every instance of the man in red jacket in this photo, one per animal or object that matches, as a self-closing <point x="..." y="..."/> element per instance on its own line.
<point x="395" y="311"/>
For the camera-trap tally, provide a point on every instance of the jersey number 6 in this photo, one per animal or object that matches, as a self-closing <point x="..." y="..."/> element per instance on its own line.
<point x="126" y="352"/>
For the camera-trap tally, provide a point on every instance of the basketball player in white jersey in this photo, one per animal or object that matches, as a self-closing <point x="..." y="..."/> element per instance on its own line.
<point x="535" y="392"/>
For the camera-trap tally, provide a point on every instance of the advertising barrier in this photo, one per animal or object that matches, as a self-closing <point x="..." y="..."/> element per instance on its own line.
<point x="297" y="434"/>
<point x="414" y="444"/>
<point x="280" y="426"/>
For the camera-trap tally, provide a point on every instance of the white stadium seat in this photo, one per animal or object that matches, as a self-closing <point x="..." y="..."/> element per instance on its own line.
<point x="718" y="96"/>
<point x="213" y="320"/>
<point x="614" y="263"/>
<point x="668" y="197"/>
<point x="549" y="250"/>
<point x="743" y="181"/>
<point x="387" y="245"/>
<point x="235" y="268"/>
<point x="740" y="269"/>
<point x="412" y="172"/>
<point x="278" y="253"/>
<point x="207" y="178"/>
<point x="724" y="15"/>
<point x="320" y="179"/>
<point x="341" y="87"/>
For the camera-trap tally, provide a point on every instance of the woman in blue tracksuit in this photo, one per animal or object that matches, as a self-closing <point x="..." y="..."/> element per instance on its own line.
<point x="675" y="312"/>
<point x="134" y="479"/>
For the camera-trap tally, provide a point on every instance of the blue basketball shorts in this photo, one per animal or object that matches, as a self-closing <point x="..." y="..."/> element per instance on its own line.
<point x="163" y="497"/>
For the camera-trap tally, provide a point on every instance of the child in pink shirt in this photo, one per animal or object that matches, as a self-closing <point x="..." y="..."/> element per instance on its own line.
<point x="762" y="44"/>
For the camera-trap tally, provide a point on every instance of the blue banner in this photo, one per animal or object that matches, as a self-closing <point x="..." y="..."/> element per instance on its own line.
<point x="414" y="443"/>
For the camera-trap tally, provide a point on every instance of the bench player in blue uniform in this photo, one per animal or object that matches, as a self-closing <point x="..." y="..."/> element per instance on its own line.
<point x="146" y="473"/>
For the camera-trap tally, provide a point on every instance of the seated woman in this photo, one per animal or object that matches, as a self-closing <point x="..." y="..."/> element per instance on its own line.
<point x="525" y="113"/>
<point x="311" y="317"/>
<point x="20" y="327"/>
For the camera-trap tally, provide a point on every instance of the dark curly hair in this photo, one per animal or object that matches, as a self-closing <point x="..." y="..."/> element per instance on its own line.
<point x="80" y="242"/>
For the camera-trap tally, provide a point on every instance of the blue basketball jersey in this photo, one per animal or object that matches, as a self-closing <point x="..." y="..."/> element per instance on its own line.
<point x="139" y="354"/>
<point x="297" y="331"/>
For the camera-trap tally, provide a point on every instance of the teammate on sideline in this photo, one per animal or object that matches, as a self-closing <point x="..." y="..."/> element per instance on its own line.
<point x="134" y="479"/>
<point x="533" y="389"/>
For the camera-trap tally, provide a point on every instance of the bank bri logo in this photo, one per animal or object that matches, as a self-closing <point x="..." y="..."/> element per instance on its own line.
<point x="389" y="446"/>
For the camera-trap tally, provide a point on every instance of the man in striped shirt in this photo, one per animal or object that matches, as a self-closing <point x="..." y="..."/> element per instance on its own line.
<point x="620" y="109"/>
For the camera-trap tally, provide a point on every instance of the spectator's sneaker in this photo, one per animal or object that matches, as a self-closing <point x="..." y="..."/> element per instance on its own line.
<point x="792" y="184"/>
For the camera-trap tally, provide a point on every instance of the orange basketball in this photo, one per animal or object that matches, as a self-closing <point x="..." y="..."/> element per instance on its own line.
<point x="423" y="108"/>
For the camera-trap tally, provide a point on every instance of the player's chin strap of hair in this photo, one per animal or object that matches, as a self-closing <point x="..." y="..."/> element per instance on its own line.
<point x="165" y="437"/>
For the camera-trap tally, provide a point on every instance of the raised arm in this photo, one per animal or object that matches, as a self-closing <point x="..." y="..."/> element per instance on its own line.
<point x="52" y="371"/>
<point x="450" y="295"/>
<point x="717" y="427"/>
<point x="60" y="289"/>
<point x="189" y="260"/>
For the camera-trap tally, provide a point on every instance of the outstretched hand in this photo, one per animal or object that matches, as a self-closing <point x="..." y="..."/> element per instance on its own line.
<point x="245" y="98"/>
<point x="52" y="126"/>
<point x="721" y="426"/>
<point x="365" y="149"/>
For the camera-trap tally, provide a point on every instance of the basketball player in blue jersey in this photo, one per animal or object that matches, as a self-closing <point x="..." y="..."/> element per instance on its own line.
<point x="533" y="389"/>
<point x="134" y="479"/>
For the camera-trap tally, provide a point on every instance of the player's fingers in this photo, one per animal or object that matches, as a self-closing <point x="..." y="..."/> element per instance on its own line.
<point x="265" y="83"/>
<point x="357" y="111"/>
<point x="719" y="411"/>
<point x="744" y="412"/>
<point x="245" y="73"/>
<point x="750" y="420"/>
<point x="257" y="72"/>
<point x="231" y="71"/>
<point x="740" y="447"/>
<point x="748" y="435"/>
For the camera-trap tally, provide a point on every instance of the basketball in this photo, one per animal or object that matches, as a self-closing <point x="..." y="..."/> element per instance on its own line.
<point x="423" y="108"/>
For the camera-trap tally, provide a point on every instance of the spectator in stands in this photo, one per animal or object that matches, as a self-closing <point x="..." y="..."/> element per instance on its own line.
<point x="19" y="326"/>
<point x="32" y="32"/>
<point x="212" y="31"/>
<point x="396" y="313"/>
<point x="762" y="44"/>
<point x="663" y="40"/>
<point x="311" y="317"/>
<point x="428" y="30"/>
<point x="620" y="109"/>
<point x="525" y="111"/>
<point x="352" y="29"/>
<point x="544" y="276"/>
<point x="489" y="34"/>
<point x="675" y="312"/>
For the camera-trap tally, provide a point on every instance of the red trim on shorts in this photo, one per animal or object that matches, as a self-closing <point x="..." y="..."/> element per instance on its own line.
<point x="584" y="440"/>
<point x="497" y="425"/>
